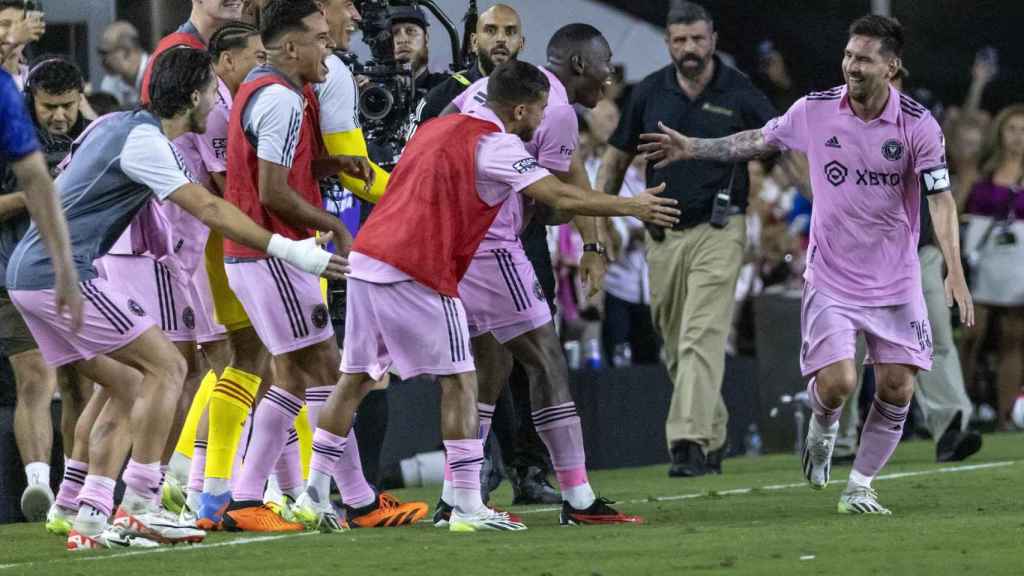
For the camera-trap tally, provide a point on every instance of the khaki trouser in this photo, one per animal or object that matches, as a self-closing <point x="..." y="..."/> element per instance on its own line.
<point x="940" y="392"/>
<point x="693" y="276"/>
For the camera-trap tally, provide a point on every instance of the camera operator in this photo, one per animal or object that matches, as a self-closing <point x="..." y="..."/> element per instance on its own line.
<point x="412" y="46"/>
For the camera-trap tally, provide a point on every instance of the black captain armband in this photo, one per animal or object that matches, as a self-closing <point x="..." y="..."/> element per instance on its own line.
<point x="935" y="180"/>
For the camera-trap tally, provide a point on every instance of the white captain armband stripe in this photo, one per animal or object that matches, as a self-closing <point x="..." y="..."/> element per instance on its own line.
<point x="936" y="180"/>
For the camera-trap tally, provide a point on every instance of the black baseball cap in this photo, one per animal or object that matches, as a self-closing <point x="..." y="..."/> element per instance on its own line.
<point x="412" y="14"/>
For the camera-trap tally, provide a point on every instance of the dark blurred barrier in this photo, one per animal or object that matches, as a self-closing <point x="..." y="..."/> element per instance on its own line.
<point x="777" y="321"/>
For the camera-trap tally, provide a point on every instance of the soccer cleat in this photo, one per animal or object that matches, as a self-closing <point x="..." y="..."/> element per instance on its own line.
<point x="255" y="516"/>
<point x="600" y="512"/>
<point x="386" y="512"/>
<point x="861" y="500"/>
<point x="58" y="520"/>
<point x="36" y="501"/>
<point x="211" y="510"/>
<point x="817" y="453"/>
<point x="485" y="519"/>
<point x="157" y="525"/>
<point x="317" y="516"/>
<point x="172" y="497"/>
<point x="187" y="517"/>
<point x="442" y="514"/>
<point x="111" y="537"/>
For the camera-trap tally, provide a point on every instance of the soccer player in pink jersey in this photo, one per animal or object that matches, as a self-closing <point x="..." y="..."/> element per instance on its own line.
<point x="506" y="310"/>
<point x="873" y="151"/>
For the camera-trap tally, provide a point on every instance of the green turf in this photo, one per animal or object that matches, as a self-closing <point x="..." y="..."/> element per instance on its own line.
<point x="963" y="522"/>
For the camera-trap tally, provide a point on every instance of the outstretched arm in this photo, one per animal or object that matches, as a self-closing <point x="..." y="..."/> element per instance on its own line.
<point x="646" y="206"/>
<point x="670" y="146"/>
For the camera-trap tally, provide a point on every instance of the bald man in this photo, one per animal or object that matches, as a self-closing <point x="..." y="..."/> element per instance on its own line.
<point x="124" y="60"/>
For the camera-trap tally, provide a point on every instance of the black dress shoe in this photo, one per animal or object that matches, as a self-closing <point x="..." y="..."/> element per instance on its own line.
<point x="956" y="445"/>
<point x="531" y="486"/>
<point x="713" y="461"/>
<point x="688" y="460"/>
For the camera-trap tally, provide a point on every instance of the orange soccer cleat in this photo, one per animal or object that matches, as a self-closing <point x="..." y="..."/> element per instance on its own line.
<point x="386" y="512"/>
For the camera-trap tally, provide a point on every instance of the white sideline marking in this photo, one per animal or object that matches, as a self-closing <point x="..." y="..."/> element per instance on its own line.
<point x="773" y="487"/>
<point x="737" y="491"/>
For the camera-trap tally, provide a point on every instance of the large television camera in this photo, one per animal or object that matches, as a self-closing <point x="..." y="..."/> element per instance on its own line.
<point x="388" y="100"/>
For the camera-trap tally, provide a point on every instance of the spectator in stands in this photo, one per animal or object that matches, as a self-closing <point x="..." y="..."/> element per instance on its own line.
<point x="965" y="132"/>
<point x="124" y="60"/>
<point x="996" y="198"/>
<point x="774" y="78"/>
<point x="103" y="103"/>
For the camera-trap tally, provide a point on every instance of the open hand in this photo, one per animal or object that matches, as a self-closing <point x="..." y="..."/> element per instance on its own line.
<point x="666" y="147"/>
<point x="337" y="266"/>
<point x="30" y="29"/>
<point x="956" y="291"/>
<point x="654" y="209"/>
<point x="593" y="267"/>
<point x="69" y="296"/>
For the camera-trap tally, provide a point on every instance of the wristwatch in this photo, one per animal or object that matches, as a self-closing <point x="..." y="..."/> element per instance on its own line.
<point x="596" y="247"/>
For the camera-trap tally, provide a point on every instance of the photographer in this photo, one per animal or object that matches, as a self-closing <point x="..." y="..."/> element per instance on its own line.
<point x="412" y="46"/>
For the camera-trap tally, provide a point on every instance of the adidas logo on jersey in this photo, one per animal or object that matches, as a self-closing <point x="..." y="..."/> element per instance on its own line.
<point x="832" y="142"/>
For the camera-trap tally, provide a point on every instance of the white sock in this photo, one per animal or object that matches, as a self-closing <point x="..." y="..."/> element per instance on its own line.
<point x="579" y="497"/>
<point x="467" y="501"/>
<point x="38" y="473"/>
<point x="319" y="486"/>
<point x="858" y="479"/>
<point x="216" y="485"/>
<point x="135" y="503"/>
<point x="90" y="521"/>
<point x="178" y="467"/>
<point x="448" y="493"/>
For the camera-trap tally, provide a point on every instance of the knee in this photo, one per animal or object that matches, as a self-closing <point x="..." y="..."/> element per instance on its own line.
<point x="896" y="385"/>
<point x="171" y="371"/>
<point x="838" y="383"/>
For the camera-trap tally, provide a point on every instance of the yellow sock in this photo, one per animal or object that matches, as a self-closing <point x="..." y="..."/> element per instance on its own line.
<point x="230" y="403"/>
<point x="305" y="432"/>
<point x="187" y="440"/>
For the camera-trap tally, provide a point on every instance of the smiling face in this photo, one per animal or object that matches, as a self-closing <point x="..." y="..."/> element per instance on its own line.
<point x="597" y="72"/>
<point x="343" y="19"/>
<point x="9" y="18"/>
<point x="205" y="100"/>
<point x="867" y="69"/>
<point x="310" y="47"/>
<point x="220" y="10"/>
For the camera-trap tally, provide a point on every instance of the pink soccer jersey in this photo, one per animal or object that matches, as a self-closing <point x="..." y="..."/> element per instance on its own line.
<point x="866" y="178"/>
<point x="553" y="145"/>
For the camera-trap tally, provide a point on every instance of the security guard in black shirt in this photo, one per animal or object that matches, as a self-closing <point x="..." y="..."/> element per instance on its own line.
<point x="694" y="267"/>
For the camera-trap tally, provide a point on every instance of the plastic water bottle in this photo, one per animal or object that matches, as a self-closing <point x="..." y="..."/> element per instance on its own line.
<point x="623" y="355"/>
<point x="572" y="354"/>
<point x="592" y="354"/>
<point x="752" y="442"/>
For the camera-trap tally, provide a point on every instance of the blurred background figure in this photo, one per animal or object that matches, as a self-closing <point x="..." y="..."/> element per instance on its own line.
<point x="124" y="61"/>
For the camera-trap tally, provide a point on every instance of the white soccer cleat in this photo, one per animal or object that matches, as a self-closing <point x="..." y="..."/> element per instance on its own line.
<point x="158" y="525"/>
<point x="36" y="501"/>
<point x="316" y="515"/>
<point x="485" y="519"/>
<point x="861" y="500"/>
<point x="111" y="537"/>
<point x="817" y="455"/>
<point x="187" y="517"/>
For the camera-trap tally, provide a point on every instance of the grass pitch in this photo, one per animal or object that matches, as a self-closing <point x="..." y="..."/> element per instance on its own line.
<point x="759" y="518"/>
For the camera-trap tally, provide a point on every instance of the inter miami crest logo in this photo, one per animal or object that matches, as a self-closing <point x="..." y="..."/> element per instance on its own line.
<point x="136" y="308"/>
<point x="538" y="291"/>
<point x="319" y="316"/>
<point x="835" y="173"/>
<point x="892" y="150"/>
<point x="189" y="318"/>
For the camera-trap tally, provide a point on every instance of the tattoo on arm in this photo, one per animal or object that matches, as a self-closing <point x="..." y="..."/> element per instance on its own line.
<point x="739" y="147"/>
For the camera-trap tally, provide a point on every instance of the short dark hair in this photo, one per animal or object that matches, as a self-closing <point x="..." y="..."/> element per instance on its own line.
<point x="888" y="30"/>
<point x="571" y="37"/>
<point x="103" y="103"/>
<point x="54" y="75"/>
<point x="231" y="36"/>
<point x="282" y="16"/>
<point x="684" y="12"/>
<point x="516" y="82"/>
<point x="18" y="4"/>
<point x="178" y="73"/>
